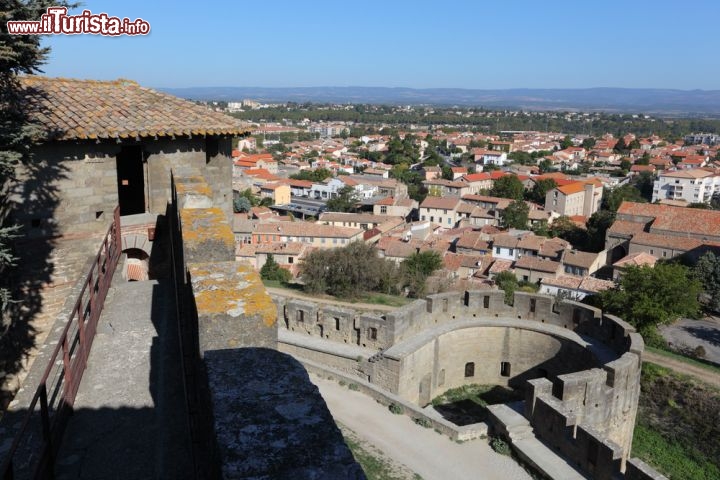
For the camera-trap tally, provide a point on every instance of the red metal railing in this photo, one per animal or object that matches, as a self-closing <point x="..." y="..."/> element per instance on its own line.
<point x="34" y="448"/>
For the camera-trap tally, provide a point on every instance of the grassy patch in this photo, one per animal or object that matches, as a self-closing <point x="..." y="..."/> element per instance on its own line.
<point x="676" y="430"/>
<point x="385" y="299"/>
<point x="468" y="404"/>
<point x="673" y="459"/>
<point x="683" y="358"/>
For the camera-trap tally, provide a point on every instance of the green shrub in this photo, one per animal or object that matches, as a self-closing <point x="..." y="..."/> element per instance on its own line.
<point x="353" y="387"/>
<point x="396" y="409"/>
<point x="500" y="446"/>
<point x="423" y="422"/>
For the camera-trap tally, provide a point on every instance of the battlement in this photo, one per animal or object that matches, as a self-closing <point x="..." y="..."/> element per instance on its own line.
<point x="579" y="368"/>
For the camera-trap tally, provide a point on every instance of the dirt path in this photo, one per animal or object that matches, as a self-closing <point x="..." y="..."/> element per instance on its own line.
<point x="684" y="368"/>
<point x="422" y="450"/>
<point x="363" y="306"/>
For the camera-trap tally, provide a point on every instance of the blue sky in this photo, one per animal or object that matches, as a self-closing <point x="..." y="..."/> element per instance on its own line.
<point x="393" y="43"/>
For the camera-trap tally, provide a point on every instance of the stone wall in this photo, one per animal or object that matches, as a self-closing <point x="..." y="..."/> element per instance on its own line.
<point x="71" y="186"/>
<point x="580" y="369"/>
<point x="266" y="419"/>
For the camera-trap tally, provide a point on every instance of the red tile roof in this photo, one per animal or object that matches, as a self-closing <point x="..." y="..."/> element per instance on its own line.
<point x="72" y="109"/>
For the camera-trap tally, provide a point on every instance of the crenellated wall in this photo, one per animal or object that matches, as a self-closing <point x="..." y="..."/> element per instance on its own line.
<point x="580" y="369"/>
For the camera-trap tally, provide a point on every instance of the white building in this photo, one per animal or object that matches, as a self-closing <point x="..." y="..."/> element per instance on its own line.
<point x="693" y="186"/>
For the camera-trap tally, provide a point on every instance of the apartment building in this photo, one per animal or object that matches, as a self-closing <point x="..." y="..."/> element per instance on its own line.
<point x="693" y="186"/>
<point x="577" y="198"/>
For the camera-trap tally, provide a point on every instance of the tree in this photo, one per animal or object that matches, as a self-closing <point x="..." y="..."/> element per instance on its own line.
<point x="566" y="229"/>
<point x="644" y="183"/>
<point x="19" y="55"/>
<point x="588" y="143"/>
<point x="508" y="186"/>
<point x="566" y="142"/>
<point x="515" y="215"/>
<point x="650" y="296"/>
<point x="348" y="272"/>
<point x="612" y="199"/>
<point x="417" y="268"/>
<point x="507" y="282"/>
<point x="241" y="204"/>
<point x="345" y="200"/>
<point x="273" y="271"/>
<point x="597" y="226"/>
<point x="546" y="166"/>
<point x="540" y="189"/>
<point x="707" y="271"/>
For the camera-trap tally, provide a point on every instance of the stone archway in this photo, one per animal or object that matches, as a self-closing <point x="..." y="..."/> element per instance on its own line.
<point x="136" y="250"/>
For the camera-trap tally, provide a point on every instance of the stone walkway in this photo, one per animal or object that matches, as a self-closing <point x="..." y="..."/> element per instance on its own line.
<point x="130" y="419"/>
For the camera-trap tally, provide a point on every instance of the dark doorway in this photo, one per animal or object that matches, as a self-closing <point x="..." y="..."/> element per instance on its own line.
<point x="131" y="181"/>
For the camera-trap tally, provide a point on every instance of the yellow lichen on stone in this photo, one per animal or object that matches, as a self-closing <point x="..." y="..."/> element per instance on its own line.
<point x="205" y="225"/>
<point x="193" y="185"/>
<point x="233" y="289"/>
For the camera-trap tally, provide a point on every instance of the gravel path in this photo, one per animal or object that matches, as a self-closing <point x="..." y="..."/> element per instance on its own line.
<point x="429" y="454"/>
<point x="690" y="333"/>
<point x="683" y="367"/>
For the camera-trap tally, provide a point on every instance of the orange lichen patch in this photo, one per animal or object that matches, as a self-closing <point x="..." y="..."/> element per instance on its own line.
<point x="206" y="225"/>
<point x="195" y="185"/>
<point x="233" y="289"/>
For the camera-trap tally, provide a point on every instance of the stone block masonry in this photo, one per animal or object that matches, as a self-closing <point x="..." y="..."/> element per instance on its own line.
<point x="268" y="419"/>
<point x="580" y="369"/>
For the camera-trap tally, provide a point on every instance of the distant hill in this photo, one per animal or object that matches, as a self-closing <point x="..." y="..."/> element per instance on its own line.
<point x="645" y="100"/>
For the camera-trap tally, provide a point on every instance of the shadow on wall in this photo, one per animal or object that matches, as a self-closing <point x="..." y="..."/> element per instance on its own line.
<point x="270" y="419"/>
<point x="31" y="206"/>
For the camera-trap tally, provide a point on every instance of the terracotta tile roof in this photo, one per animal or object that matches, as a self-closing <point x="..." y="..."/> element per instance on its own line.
<point x="594" y="285"/>
<point x="537" y="264"/>
<point x="72" y="109"/>
<point x="447" y="203"/>
<point x="505" y="240"/>
<point x="667" y="218"/>
<point x="563" y="281"/>
<point x="572" y="188"/>
<point x="260" y="173"/>
<point x="666" y="241"/>
<point x="579" y="259"/>
<point x="385" y="201"/>
<point x="500" y="265"/>
<point x="637" y="259"/>
<point x="305" y="229"/>
<point x="476" y="177"/>
<point x="624" y="227"/>
<point x="553" y="247"/>
<point x="473" y="241"/>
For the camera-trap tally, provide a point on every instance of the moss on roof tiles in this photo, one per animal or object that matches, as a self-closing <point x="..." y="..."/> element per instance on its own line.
<point x="72" y="109"/>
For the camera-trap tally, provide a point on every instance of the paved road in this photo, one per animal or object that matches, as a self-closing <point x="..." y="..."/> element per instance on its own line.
<point x="422" y="450"/>
<point x="690" y="333"/>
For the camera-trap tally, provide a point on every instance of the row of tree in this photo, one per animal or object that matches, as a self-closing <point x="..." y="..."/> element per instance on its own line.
<point x="356" y="269"/>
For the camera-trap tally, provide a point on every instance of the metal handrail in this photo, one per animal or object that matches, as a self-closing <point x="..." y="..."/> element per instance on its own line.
<point x="52" y="402"/>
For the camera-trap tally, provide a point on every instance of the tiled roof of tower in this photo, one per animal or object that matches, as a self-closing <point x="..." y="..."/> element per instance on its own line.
<point x="71" y="109"/>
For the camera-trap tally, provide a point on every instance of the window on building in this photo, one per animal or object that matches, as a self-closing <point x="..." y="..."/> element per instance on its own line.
<point x="291" y="259"/>
<point x="300" y="315"/>
<point x="449" y="221"/>
<point x="486" y="301"/>
<point x="337" y="323"/>
<point x="532" y="305"/>
<point x="469" y="369"/>
<point x="505" y="369"/>
<point x="372" y="333"/>
<point x="497" y="250"/>
<point x="512" y="251"/>
<point x="383" y="209"/>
